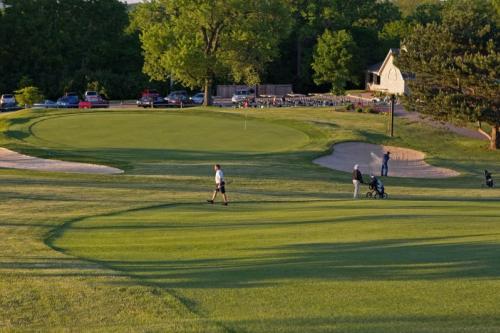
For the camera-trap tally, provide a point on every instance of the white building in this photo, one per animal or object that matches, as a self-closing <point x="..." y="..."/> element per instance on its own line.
<point x="386" y="77"/>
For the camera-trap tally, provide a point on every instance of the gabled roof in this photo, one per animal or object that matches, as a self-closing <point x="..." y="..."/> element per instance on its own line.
<point x="377" y="68"/>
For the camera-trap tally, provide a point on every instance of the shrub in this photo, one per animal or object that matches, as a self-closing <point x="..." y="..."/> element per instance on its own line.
<point x="359" y="109"/>
<point x="372" y="110"/>
<point x="28" y="96"/>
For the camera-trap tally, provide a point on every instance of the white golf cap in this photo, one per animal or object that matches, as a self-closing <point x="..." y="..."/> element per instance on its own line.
<point x="356" y="167"/>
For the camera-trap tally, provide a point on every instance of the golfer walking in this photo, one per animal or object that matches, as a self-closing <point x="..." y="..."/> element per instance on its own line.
<point x="219" y="185"/>
<point x="357" y="178"/>
<point x="385" y="167"/>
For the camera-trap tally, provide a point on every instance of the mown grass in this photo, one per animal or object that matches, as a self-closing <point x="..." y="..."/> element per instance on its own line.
<point x="292" y="253"/>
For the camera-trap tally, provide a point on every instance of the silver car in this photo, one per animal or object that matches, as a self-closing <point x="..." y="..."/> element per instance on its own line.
<point x="7" y="100"/>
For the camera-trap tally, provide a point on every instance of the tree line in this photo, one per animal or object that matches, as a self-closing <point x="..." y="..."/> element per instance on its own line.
<point x="104" y="45"/>
<point x="451" y="46"/>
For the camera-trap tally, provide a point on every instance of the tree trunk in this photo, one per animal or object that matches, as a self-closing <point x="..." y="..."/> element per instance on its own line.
<point x="495" y="137"/>
<point x="207" y="99"/>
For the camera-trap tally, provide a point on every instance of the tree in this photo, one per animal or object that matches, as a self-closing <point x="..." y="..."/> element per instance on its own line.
<point x="363" y="19"/>
<point x="335" y="60"/>
<point x="456" y="63"/>
<point x="426" y="13"/>
<point x="195" y="42"/>
<point x="28" y="96"/>
<point x="393" y="33"/>
<point x="408" y="7"/>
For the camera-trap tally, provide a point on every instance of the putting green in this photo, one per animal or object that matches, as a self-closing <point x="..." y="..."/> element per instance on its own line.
<point x="287" y="267"/>
<point x="166" y="130"/>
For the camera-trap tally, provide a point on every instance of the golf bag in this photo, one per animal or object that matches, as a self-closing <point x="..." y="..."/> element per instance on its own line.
<point x="488" y="178"/>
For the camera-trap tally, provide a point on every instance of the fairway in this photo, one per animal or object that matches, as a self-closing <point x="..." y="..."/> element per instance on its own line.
<point x="285" y="266"/>
<point x="143" y="251"/>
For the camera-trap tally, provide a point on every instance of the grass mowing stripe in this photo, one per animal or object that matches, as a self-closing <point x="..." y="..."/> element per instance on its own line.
<point x="292" y="253"/>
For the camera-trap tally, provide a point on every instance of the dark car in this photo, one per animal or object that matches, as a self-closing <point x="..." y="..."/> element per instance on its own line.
<point x="69" y="100"/>
<point x="150" y="98"/>
<point x="93" y="100"/>
<point x="151" y="102"/>
<point x="178" y="97"/>
<point x="198" y="98"/>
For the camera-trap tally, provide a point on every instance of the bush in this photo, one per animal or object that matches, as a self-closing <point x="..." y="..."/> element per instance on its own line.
<point x="349" y="107"/>
<point x="372" y="110"/>
<point x="28" y="96"/>
<point x="359" y="109"/>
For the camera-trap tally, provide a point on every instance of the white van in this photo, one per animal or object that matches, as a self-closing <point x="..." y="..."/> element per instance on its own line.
<point x="242" y="94"/>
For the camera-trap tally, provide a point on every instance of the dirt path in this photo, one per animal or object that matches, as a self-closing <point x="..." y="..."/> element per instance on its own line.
<point x="403" y="163"/>
<point x="12" y="160"/>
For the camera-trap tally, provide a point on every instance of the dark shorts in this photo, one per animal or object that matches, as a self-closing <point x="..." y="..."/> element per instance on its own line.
<point x="221" y="188"/>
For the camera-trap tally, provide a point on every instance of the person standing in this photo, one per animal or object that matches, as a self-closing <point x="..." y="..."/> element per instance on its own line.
<point x="385" y="167"/>
<point x="219" y="185"/>
<point x="357" y="178"/>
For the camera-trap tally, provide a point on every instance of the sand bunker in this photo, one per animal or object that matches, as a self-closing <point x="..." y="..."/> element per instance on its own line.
<point x="403" y="163"/>
<point x="12" y="160"/>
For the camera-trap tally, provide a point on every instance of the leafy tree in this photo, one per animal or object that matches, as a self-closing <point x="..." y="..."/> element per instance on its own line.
<point x="426" y="13"/>
<point x="393" y="32"/>
<point x="28" y="96"/>
<point x="335" y="60"/>
<point x="195" y="42"/>
<point x="456" y="63"/>
<point x="363" y="19"/>
<point x="408" y="7"/>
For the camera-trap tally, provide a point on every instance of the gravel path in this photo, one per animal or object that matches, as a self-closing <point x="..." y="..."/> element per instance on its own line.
<point x="12" y="160"/>
<point x="403" y="163"/>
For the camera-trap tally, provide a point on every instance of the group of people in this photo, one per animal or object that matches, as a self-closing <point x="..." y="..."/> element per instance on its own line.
<point x="357" y="179"/>
<point x="375" y="183"/>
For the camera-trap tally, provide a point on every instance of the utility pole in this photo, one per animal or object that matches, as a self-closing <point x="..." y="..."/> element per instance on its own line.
<point x="393" y="100"/>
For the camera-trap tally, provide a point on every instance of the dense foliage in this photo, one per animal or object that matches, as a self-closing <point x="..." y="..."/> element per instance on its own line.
<point x="104" y="45"/>
<point x="457" y="63"/>
<point x="64" y="45"/>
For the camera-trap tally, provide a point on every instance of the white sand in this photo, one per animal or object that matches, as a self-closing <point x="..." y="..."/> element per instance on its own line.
<point x="403" y="163"/>
<point x="12" y="160"/>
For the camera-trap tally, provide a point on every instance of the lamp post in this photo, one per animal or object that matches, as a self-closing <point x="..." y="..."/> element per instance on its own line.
<point x="393" y="100"/>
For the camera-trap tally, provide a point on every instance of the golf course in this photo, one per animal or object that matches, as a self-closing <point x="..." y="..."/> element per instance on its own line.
<point x="142" y="250"/>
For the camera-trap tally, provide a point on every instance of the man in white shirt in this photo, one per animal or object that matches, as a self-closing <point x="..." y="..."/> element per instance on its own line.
<point x="219" y="185"/>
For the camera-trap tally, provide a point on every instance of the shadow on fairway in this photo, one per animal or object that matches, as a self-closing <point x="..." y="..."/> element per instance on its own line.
<point x="373" y="323"/>
<point x="397" y="259"/>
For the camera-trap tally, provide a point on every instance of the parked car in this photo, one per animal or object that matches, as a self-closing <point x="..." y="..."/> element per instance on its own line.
<point x="93" y="100"/>
<point x="198" y="98"/>
<point x="47" y="104"/>
<point x="150" y="93"/>
<point x="8" y="100"/>
<point x="151" y="102"/>
<point x="242" y="95"/>
<point x="69" y="100"/>
<point x="178" y="97"/>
